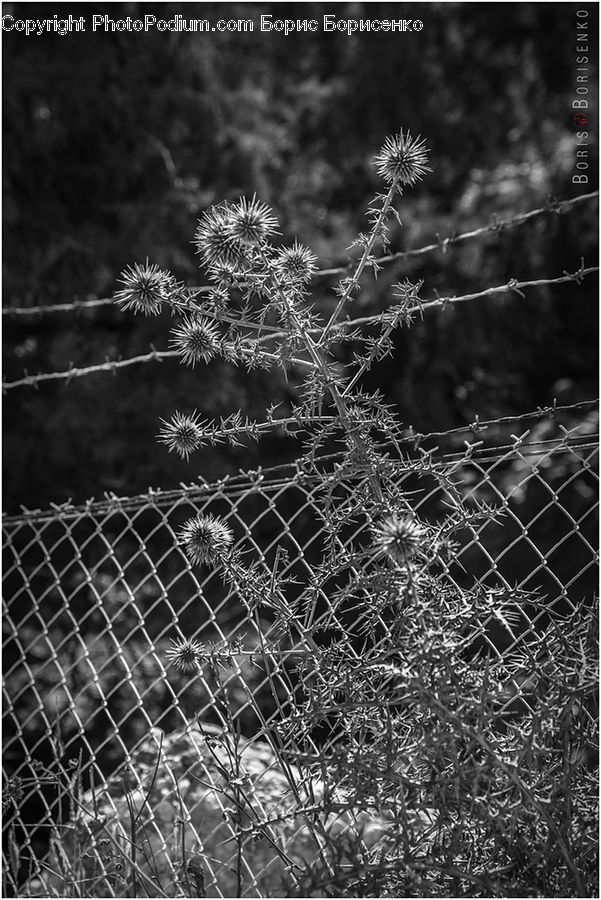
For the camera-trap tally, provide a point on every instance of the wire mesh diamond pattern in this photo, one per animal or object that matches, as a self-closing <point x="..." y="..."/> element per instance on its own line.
<point x="94" y="594"/>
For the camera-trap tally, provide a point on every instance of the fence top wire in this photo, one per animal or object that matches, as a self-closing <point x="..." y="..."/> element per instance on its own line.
<point x="512" y="286"/>
<point x="552" y="206"/>
<point x="295" y="473"/>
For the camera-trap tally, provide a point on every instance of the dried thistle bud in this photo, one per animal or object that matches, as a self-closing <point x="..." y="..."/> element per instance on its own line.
<point x="195" y="339"/>
<point x="145" y="288"/>
<point x="225" y="275"/>
<point x="183" y="434"/>
<point x="206" y="539"/>
<point x="404" y="158"/>
<point x="397" y="538"/>
<point x="185" y="655"/>
<point x="214" y="239"/>
<point x="252" y="221"/>
<point x="296" y="264"/>
<point x="219" y="296"/>
<point x="446" y="548"/>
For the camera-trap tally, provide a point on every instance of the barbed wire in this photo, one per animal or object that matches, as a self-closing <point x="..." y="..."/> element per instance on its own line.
<point x="512" y="286"/>
<point x="496" y="226"/>
<point x="284" y="474"/>
<point x="477" y="426"/>
<point x="112" y="365"/>
<point x="159" y="499"/>
<point x="78" y="372"/>
<point x="76" y="305"/>
<point x="388" y="316"/>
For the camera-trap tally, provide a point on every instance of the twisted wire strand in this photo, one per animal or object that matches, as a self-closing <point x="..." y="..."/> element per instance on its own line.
<point x="496" y="226"/>
<point x="283" y="474"/>
<point x="512" y="286"/>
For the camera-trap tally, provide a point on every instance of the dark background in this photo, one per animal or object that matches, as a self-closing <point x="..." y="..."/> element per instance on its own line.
<point x="115" y="143"/>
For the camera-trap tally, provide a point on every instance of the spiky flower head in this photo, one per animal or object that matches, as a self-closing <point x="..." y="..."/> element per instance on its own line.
<point x="195" y="339"/>
<point x="214" y="238"/>
<point x="446" y="548"/>
<point x="224" y="275"/>
<point x="252" y="221"/>
<point x="145" y="288"/>
<point x="296" y="264"/>
<point x="185" y="654"/>
<point x="206" y="539"/>
<point x="404" y="158"/>
<point x="183" y="433"/>
<point x="398" y="538"/>
<point x="218" y="297"/>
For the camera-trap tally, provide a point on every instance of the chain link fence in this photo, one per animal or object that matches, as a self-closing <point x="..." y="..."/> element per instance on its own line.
<point x="94" y="594"/>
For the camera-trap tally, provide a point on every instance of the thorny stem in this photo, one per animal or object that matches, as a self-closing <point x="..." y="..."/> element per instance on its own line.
<point x="234" y="758"/>
<point x="156" y="890"/>
<point x="235" y="731"/>
<point x="321" y="364"/>
<point x="367" y="252"/>
<point x="132" y="837"/>
<point x="316" y="353"/>
<point x="241" y="801"/>
<point x="274" y="741"/>
<point x="185" y="861"/>
<point x="249" y="351"/>
<point x="255" y="428"/>
<point x="315" y="349"/>
<point x="356" y="377"/>
<point x="245" y="805"/>
<point x="513" y="774"/>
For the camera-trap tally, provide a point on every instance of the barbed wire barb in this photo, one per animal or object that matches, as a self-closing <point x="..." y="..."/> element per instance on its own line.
<point x="159" y="355"/>
<point x="442" y="244"/>
<point x="277" y="475"/>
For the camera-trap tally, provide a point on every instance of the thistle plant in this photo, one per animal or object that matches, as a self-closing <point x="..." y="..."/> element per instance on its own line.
<point x="206" y="539"/>
<point x="196" y="339"/>
<point x="394" y="709"/>
<point x="145" y="289"/>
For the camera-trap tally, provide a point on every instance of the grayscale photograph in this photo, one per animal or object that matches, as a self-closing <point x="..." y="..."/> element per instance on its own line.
<point x="300" y="495"/>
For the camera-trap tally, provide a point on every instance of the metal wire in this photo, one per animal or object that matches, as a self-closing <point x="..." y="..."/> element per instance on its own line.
<point x="496" y="227"/>
<point x="94" y="593"/>
<point x="512" y="286"/>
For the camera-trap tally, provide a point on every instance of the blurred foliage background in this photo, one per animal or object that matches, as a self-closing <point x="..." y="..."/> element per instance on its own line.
<point x="115" y="143"/>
